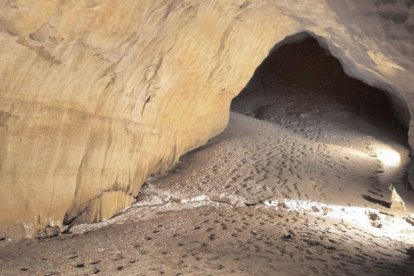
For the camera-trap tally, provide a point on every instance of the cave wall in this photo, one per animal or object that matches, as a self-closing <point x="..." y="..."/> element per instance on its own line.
<point x="97" y="95"/>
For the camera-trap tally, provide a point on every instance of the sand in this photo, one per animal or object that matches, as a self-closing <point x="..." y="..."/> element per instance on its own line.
<point x="225" y="210"/>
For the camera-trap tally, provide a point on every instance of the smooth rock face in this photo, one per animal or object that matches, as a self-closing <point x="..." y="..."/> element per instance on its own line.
<point x="97" y="95"/>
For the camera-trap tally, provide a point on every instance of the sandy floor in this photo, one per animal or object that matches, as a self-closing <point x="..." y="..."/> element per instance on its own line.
<point x="214" y="241"/>
<point x="298" y="187"/>
<point x="225" y="209"/>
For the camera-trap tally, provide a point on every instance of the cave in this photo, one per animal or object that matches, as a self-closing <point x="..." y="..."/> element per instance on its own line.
<point x="206" y="137"/>
<point x="303" y="88"/>
<point x="302" y="68"/>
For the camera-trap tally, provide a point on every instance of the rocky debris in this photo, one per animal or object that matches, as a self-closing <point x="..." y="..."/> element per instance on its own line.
<point x="48" y="232"/>
<point x="410" y="252"/>
<point x="396" y="201"/>
<point x="375" y="219"/>
<point x="410" y="219"/>
<point x="288" y="236"/>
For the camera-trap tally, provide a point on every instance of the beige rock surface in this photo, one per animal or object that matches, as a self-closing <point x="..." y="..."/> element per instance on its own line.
<point x="97" y="95"/>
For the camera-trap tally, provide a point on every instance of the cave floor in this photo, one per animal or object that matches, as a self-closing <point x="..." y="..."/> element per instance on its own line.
<point x="213" y="241"/>
<point x="260" y="199"/>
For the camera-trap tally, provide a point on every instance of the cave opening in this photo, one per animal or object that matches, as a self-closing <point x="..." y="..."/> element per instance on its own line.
<point x="303" y="89"/>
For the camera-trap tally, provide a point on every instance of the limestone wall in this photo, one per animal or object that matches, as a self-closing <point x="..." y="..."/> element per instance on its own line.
<point x="96" y="95"/>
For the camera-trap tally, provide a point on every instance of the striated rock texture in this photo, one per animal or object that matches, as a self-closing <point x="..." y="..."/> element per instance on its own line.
<point x="96" y="95"/>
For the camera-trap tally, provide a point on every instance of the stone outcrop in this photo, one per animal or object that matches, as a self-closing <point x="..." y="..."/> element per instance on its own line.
<point x="397" y="203"/>
<point x="97" y="95"/>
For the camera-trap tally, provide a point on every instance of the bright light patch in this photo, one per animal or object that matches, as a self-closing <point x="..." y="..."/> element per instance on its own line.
<point x="369" y="219"/>
<point x="389" y="157"/>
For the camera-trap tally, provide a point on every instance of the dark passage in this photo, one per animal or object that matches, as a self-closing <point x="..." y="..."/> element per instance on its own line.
<point x="304" y="89"/>
<point x="300" y="85"/>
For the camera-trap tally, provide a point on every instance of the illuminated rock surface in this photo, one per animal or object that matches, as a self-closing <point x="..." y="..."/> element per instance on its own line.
<point x="97" y="95"/>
